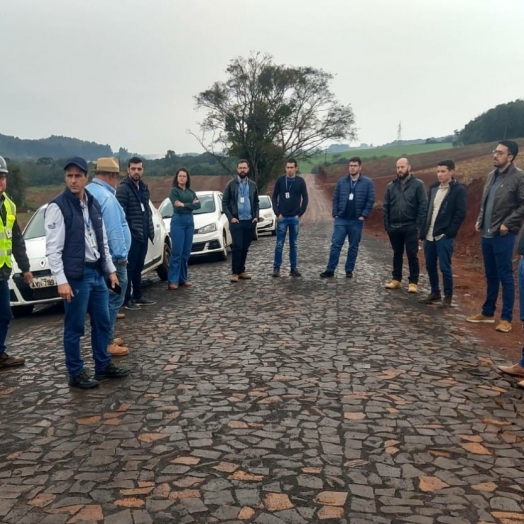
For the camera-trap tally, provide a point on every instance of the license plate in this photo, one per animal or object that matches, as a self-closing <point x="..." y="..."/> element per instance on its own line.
<point x="43" y="282"/>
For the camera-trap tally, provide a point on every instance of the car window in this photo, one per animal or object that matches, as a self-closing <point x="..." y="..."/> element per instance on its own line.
<point x="36" y="226"/>
<point x="166" y="208"/>
<point x="264" y="202"/>
<point x="207" y="205"/>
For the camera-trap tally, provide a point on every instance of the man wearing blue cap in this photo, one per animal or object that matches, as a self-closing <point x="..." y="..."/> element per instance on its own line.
<point x="79" y="258"/>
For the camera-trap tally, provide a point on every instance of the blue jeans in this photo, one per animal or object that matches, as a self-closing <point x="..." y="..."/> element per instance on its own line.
<point x="5" y="313"/>
<point x="135" y="264"/>
<point x="498" y="267"/>
<point x="345" y="227"/>
<point x="182" y="229"/>
<point x="440" y="251"/>
<point x="521" y="298"/>
<point x="91" y="296"/>
<point x="293" y="224"/>
<point x="116" y="300"/>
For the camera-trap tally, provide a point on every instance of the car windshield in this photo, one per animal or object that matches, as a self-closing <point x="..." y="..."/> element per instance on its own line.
<point x="36" y="226"/>
<point x="207" y="205"/>
<point x="264" y="202"/>
<point x="166" y="209"/>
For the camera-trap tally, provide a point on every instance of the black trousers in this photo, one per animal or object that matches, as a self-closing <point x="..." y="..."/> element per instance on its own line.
<point x="407" y="239"/>
<point x="241" y="234"/>
<point x="135" y="265"/>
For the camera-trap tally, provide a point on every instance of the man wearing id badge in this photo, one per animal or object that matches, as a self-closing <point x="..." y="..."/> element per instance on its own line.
<point x="11" y="244"/>
<point x="241" y="206"/>
<point x="353" y="201"/>
<point x="80" y="260"/>
<point x="133" y="195"/>
<point x="290" y="200"/>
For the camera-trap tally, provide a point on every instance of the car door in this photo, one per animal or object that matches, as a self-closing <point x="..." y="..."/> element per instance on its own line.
<point x="154" y="249"/>
<point x="223" y="218"/>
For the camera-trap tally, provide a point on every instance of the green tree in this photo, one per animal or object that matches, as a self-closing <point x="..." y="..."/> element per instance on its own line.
<point x="16" y="183"/>
<point x="500" y="122"/>
<point x="266" y="112"/>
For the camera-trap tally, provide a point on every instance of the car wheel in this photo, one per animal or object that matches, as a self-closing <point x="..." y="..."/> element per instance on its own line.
<point x="22" y="311"/>
<point x="255" y="234"/>
<point x="163" y="268"/>
<point x="222" y="255"/>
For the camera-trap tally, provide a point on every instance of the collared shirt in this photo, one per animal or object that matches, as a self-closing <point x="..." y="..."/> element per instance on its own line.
<point x="55" y="240"/>
<point x="244" y="204"/>
<point x="441" y="193"/>
<point x="117" y="228"/>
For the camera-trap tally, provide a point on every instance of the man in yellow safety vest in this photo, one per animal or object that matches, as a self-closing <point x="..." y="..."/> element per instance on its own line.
<point x="11" y="243"/>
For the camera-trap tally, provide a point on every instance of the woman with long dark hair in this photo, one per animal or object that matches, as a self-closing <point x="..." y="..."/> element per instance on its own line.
<point x="184" y="202"/>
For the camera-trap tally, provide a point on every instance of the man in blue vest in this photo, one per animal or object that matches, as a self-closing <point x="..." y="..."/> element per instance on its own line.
<point x="79" y="258"/>
<point x="353" y="201"/>
<point x="11" y="243"/>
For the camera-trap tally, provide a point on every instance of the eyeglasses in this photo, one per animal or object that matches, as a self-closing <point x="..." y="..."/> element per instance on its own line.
<point x="3" y="175"/>
<point x="498" y="152"/>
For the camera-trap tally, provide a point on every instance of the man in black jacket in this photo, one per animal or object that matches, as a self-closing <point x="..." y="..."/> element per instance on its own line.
<point x="133" y="195"/>
<point x="446" y="212"/>
<point x="240" y="204"/>
<point x="405" y="206"/>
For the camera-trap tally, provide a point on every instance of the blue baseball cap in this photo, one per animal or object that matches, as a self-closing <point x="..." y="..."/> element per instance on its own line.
<point x="78" y="162"/>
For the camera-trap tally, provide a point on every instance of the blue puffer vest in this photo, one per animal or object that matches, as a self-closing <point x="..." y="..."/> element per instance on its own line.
<point x="74" y="252"/>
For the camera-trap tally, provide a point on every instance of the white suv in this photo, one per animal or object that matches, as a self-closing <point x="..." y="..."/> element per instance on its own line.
<point x="267" y="222"/>
<point x="43" y="290"/>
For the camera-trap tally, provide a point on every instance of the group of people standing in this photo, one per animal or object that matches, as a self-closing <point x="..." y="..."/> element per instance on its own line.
<point x="97" y="237"/>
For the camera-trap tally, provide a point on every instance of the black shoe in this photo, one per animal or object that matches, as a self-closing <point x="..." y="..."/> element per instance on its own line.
<point x="276" y="271"/>
<point x="10" y="362"/>
<point x="83" y="381"/>
<point x="446" y="303"/>
<point x="112" y="371"/>
<point x="295" y="272"/>
<point x="432" y="298"/>
<point x="143" y="301"/>
<point x="327" y="274"/>
<point x="131" y="304"/>
<point x="349" y="274"/>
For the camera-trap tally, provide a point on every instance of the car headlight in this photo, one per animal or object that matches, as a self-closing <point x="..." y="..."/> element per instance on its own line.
<point x="207" y="229"/>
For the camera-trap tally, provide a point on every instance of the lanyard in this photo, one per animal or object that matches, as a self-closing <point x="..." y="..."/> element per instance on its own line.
<point x="290" y="185"/>
<point x="243" y="189"/>
<point x="85" y="212"/>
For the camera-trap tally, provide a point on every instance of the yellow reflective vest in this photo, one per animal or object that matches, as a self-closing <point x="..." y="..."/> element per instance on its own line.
<point x="6" y="233"/>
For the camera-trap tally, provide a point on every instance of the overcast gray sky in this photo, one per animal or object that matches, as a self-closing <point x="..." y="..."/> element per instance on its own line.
<point x="124" y="72"/>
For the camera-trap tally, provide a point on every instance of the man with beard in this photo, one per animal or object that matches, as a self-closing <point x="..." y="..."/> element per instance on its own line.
<point x="240" y="204"/>
<point x="133" y="195"/>
<point x="405" y="206"/>
<point x="501" y="215"/>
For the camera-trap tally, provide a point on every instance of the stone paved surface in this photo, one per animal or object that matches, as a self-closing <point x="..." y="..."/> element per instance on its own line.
<point x="268" y="401"/>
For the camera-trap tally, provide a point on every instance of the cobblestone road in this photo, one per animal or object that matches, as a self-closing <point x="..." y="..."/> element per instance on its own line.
<point x="268" y="401"/>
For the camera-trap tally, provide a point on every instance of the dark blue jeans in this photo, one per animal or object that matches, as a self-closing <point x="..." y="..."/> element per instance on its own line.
<point x="497" y="253"/>
<point x="182" y="229"/>
<point x="293" y="224"/>
<point x="344" y="227"/>
<point x="90" y="296"/>
<point x="521" y="298"/>
<point x="5" y="313"/>
<point x="135" y="265"/>
<point x="440" y="251"/>
<point x="241" y="236"/>
<point x="408" y="239"/>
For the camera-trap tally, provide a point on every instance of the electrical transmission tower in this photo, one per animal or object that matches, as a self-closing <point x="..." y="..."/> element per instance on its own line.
<point x="399" y="132"/>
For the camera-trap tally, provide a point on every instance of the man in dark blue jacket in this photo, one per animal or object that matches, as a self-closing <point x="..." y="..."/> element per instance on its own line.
<point x="446" y="212"/>
<point x="353" y="201"/>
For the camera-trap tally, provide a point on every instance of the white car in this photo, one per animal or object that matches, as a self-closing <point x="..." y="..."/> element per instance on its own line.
<point x="43" y="290"/>
<point x="267" y="222"/>
<point x="211" y="225"/>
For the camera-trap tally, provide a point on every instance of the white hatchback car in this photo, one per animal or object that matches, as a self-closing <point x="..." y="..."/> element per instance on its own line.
<point x="43" y="290"/>
<point x="267" y="222"/>
<point x="211" y="225"/>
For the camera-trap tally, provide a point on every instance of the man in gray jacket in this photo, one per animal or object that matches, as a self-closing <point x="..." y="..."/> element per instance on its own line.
<point x="405" y="206"/>
<point x="501" y="215"/>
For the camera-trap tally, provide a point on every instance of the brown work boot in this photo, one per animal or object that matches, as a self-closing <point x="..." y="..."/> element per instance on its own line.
<point x="244" y="276"/>
<point x="412" y="288"/>
<point x="446" y="303"/>
<point x="10" y="362"/>
<point x="117" y="351"/>
<point x="234" y="278"/>
<point x="120" y="316"/>
<point x="432" y="298"/>
<point x="394" y="284"/>
<point x="118" y="341"/>
<point x="480" y="319"/>
<point x="504" y="326"/>
<point x="516" y="370"/>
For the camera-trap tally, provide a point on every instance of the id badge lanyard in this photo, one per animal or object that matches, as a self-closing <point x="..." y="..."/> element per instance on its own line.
<point x="353" y="185"/>
<point x="287" y="195"/>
